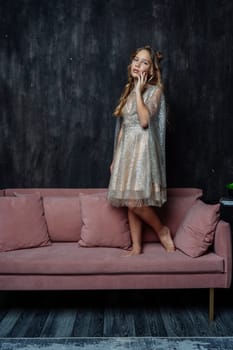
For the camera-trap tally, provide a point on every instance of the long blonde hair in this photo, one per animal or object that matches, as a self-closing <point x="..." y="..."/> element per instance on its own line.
<point x="154" y="79"/>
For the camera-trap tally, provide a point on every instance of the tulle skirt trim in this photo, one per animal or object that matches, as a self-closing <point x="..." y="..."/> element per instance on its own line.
<point x="136" y="199"/>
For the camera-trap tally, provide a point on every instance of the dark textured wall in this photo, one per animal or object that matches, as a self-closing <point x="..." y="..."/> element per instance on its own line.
<point x="62" y="68"/>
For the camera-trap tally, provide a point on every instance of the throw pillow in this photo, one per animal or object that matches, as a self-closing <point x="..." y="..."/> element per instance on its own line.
<point x="103" y="225"/>
<point x="22" y="223"/>
<point x="196" y="233"/>
<point x="172" y="213"/>
<point x="63" y="218"/>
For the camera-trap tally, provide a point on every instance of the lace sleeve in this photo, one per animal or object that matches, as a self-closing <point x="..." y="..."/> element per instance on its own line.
<point x="153" y="102"/>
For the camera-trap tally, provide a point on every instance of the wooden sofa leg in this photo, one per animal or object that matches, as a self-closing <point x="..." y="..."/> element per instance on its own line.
<point x="211" y="304"/>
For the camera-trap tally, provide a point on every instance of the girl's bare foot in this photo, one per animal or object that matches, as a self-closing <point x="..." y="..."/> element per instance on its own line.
<point x="133" y="252"/>
<point x="166" y="239"/>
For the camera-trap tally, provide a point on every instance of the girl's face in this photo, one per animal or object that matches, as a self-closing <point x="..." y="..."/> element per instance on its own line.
<point x="141" y="63"/>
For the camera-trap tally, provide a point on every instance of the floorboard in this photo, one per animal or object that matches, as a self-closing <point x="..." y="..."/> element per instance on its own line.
<point x="161" y="313"/>
<point x="34" y="329"/>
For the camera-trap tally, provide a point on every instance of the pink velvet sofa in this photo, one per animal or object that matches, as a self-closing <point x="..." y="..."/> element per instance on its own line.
<point x="72" y="239"/>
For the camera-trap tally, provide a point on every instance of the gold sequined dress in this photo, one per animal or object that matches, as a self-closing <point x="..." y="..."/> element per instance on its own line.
<point x="139" y="175"/>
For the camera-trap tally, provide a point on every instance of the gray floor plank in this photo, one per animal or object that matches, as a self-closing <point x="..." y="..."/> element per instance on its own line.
<point x="155" y="322"/>
<point x="88" y="323"/>
<point x="142" y="322"/>
<point x="36" y="325"/>
<point x="119" y="323"/>
<point x="9" y="321"/>
<point x="119" y="316"/>
<point x="64" y="322"/>
<point x="48" y="327"/>
<point x="21" y="325"/>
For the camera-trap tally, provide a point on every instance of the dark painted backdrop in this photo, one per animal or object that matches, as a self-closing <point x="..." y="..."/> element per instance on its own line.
<point x="63" y="66"/>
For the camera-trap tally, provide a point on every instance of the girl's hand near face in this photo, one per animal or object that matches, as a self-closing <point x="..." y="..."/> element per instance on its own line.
<point x="142" y="110"/>
<point x="141" y="81"/>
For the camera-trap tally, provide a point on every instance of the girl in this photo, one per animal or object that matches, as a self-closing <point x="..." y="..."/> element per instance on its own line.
<point x="138" y="179"/>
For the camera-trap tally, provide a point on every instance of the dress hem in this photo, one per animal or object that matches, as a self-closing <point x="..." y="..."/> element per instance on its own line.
<point x="132" y="203"/>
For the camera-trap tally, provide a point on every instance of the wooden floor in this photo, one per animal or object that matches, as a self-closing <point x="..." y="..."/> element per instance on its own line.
<point x="115" y="313"/>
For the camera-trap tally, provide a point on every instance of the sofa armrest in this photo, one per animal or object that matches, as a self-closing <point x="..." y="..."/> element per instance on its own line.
<point x="223" y="247"/>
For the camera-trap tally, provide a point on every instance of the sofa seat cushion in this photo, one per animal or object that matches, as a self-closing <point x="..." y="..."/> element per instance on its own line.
<point x="69" y="258"/>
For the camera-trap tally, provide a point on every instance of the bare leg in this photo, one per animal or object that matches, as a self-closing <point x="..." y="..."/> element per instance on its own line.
<point x="148" y="215"/>
<point x="135" y="225"/>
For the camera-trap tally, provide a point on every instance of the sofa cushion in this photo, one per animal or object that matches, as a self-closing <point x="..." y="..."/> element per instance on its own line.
<point x="22" y="223"/>
<point x="63" y="218"/>
<point x="70" y="259"/>
<point x="196" y="233"/>
<point x="179" y="201"/>
<point x="103" y="225"/>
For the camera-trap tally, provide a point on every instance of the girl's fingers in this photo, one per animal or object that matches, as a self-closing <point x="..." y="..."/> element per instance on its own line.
<point x="142" y="80"/>
<point x="145" y="77"/>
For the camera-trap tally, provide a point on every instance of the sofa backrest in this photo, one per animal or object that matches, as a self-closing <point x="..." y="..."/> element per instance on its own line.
<point x="63" y="214"/>
<point x="61" y="209"/>
<point x="52" y="191"/>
